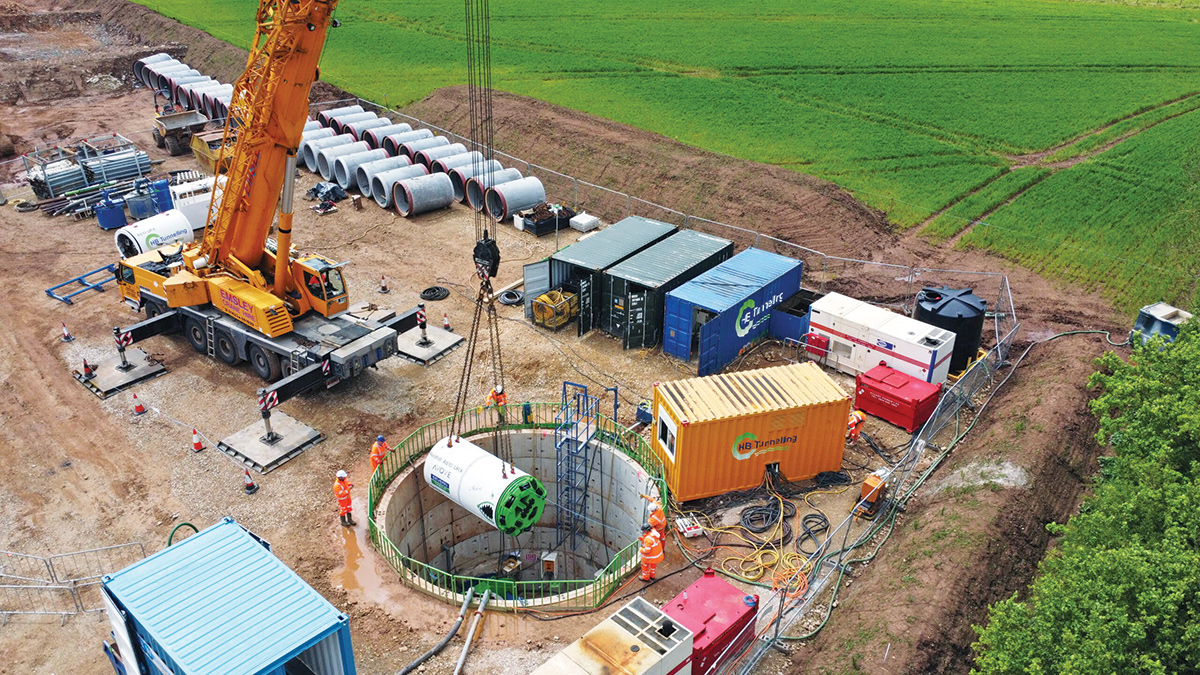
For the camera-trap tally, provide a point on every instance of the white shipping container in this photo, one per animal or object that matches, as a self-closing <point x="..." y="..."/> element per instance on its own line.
<point x="862" y="336"/>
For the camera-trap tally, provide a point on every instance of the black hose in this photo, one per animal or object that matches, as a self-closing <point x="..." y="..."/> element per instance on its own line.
<point x="435" y="293"/>
<point x="511" y="297"/>
<point x="462" y="613"/>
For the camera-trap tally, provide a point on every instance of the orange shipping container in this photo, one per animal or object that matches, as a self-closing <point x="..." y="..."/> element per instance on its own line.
<point x="719" y="433"/>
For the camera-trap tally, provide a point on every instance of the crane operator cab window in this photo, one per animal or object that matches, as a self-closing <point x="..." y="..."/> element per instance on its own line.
<point x="325" y="286"/>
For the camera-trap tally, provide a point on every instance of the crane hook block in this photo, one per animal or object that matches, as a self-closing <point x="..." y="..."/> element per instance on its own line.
<point x="487" y="256"/>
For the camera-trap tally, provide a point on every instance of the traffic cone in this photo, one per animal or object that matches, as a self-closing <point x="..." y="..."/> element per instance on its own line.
<point x="446" y="322"/>
<point x="67" y="337"/>
<point x="138" y="408"/>
<point x="250" y="487"/>
<point x="88" y="371"/>
<point x="383" y="287"/>
<point x="197" y="446"/>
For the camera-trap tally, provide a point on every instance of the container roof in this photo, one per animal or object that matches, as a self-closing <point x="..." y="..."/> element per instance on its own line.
<point x="669" y="258"/>
<point x="614" y="243"/>
<point x="220" y="603"/>
<point x="717" y="397"/>
<point x="734" y="280"/>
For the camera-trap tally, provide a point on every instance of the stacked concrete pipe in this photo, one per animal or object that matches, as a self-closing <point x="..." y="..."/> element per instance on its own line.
<point x="313" y="125"/>
<point x="477" y="186"/>
<point x="308" y="149"/>
<point x="428" y="155"/>
<point x="345" y="167"/>
<point x="508" y="198"/>
<point x="357" y="129"/>
<point x="393" y="142"/>
<point x="459" y="176"/>
<point x="339" y="123"/>
<point x="367" y="171"/>
<point x="140" y="65"/>
<point x="326" y="156"/>
<point x="375" y="136"/>
<point x="325" y="116"/>
<point x="382" y="183"/>
<point x="444" y="164"/>
<point x="411" y="148"/>
<point x="414" y="196"/>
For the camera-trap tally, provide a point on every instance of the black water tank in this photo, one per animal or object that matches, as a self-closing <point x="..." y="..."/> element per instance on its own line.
<point x="959" y="311"/>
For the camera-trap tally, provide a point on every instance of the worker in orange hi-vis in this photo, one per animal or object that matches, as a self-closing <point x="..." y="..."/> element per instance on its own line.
<point x="499" y="399"/>
<point x="341" y="490"/>
<point x="854" y="425"/>
<point x="379" y="450"/>
<point x="657" y="519"/>
<point x="652" y="552"/>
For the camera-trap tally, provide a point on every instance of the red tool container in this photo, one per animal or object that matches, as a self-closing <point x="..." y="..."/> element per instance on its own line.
<point x="817" y="345"/>
<point x="720" y="616"/>
<point x="896" y="397"/>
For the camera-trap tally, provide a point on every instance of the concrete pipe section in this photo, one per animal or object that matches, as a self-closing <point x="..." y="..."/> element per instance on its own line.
<point x="344" y="167"/>
<point x="366" y="172"/>
<point x="393" y="142"/>
<point x="149" y="74"/>
<point x="326" y="156"/>
<point x="414" y="196"/>
<point x="357" y="129"/>
<point x="308" y="149"/>
<point x="411" y="148"/>
<point x="140" y="65"/>
<point x="339" y="123"/>
<point x="210" y="97"/>
<point x="504" y="200"/>
<point x="427" y="527"/>
<point x="197" y="93"/>
<point x="459" y="176"/>
<point x="182" y="93"/>
<point x="428" y="155"/>
<point x="375" y="136"/>
<point x="477" y="186"/>
<point x="383" y="182"/>
<point x="158" y="76"/>
<point x="314" y="135"/>
<point x="326" y="115"/>
<point x="444" y="164"/>
<point x="312" y="125"/>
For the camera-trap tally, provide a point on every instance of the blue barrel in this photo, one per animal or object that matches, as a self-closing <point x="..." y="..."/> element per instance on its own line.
<point x="110" y="214"/>
<point x="141" y="207"/>
<point x="160" y="190"/>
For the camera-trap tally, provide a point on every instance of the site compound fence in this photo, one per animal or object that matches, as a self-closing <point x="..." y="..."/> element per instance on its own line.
<point x="511" y="595"/>
<point x="64" y="584"/>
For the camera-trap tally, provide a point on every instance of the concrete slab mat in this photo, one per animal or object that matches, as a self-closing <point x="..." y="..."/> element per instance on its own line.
<point x="110" y="379"/>
<point x="442" y="343"/>
<point x="248" y="447"/>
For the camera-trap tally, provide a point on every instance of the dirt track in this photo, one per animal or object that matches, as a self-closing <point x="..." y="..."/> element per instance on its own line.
<point x="84" y="473"/>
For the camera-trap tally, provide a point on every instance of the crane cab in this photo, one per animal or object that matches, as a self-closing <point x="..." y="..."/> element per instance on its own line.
<point x="321" y="280"/>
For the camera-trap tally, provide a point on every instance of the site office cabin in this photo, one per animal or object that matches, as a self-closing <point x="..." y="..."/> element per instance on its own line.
<point x="719" y="433"/>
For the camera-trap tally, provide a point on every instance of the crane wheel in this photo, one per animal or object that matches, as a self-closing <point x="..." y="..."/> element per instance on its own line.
<point x="196" y="335"/>
<point x="225" y="348"/>
<point x="265" y="363"/>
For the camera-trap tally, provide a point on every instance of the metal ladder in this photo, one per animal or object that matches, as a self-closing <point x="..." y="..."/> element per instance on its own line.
<point x="210" y="323"/>
<point x="298" y="354"/>
<point x="577" y="424"/>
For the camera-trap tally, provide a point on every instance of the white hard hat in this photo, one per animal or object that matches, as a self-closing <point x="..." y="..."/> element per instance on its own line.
<point x="499" y="389"/>
<point x="341" y="474"/>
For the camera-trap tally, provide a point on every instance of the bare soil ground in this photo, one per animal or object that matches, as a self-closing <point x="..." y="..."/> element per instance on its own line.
<point x="85" y="473"/>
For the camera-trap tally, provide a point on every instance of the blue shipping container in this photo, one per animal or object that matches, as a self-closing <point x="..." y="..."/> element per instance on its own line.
<point x="220" y="603"/>
<point x="721" y="312"/>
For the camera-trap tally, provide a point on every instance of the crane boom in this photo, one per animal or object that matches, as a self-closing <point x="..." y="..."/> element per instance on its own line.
<point x="267" y="113"/>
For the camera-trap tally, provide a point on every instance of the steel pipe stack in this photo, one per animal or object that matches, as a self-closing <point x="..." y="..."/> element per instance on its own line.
<point x="427" y="155"/>
<point x="375" y="136"/>
<point x="325" y="117"/>
<point x="392" y="143"/>
<point x="459" y="176"/>
<point x="382" y="184"/>
<point x="414" y="196"/>
<point x="326" y="156"/>
<point x="508" y="198"/>
<point x="477" y="186"/>
<point x="56" y="178"/>
<point x="444" y="164"/>
<point x="346" y="166"/>
<point x="367" y="172"/>
<point x="308" y="149"/>
<point x="116" y="166"/>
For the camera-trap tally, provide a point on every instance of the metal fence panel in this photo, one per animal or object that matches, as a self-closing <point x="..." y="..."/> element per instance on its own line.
<point x="19" y="568"/>
<point x="94" y="563"/>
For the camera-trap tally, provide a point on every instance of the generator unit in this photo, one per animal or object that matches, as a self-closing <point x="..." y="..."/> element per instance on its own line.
<point x="639" y="639"/>
<point x="861" y="336"/>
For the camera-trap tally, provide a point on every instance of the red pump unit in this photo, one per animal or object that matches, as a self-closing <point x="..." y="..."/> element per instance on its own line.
<point x="896" y="397"/>
<point x="720" y="616"/>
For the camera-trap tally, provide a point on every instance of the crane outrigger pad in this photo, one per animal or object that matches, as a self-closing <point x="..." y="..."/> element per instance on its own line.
<point x="441" y="343"/>
<point x="110" y="379"/>
<point x="250" y="449"/>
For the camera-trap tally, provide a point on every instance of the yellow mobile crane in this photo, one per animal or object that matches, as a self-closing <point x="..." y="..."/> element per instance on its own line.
<point x="237" y="294"/>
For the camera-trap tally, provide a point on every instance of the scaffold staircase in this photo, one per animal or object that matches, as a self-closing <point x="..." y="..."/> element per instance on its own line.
<point x="576" y="426"/>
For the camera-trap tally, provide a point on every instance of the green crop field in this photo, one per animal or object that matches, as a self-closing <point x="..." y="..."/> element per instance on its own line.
<point x="1067" y="125"/>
